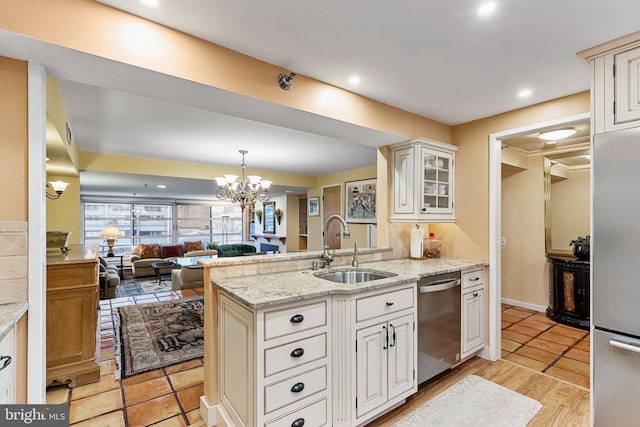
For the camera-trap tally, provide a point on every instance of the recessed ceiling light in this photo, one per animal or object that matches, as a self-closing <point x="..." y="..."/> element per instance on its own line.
<point x="556" y="134"/>
<point x="354" y="80"/>
<point x="524" y="93"/>
<point x="150" y="3"/>
<point x="487" y="8"/>
<point x="161" y="186"/>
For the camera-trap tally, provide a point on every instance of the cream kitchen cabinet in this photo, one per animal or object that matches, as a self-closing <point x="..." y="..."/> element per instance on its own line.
<point x="374" y="353"/>
<point x="274" y="364"/>
<point x="7" y="368"/>
<point x="423" y="181"/>
<point x="473" y="312"/>
<point x="615" y="83"/>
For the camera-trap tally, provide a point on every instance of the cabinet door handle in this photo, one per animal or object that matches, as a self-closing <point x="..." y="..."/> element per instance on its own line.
<point x="475" y="294"/>
<point x="297" y="387"/>
<point x="298" y="318"/>
<point x="389" y="304"/>
<point x="393" y="335"/>
<point x="297" y="352"/>
<point x="474" y="279"/>
<point x="386" y="338"/>
<point x="4" y="361"/>
<point x="298" y="423"/>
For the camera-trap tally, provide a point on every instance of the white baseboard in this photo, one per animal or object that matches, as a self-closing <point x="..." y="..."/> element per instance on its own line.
<point x="535" y="307"/>
<point x="213" y="415"/>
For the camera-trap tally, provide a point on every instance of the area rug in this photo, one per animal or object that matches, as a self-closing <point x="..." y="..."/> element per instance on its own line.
<point x="140" y="287"/>
<point x="474" y="402"/>
<point x="159" y="334"/>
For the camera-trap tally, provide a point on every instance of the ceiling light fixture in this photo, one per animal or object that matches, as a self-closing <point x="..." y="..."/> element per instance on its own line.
<point x="161" y="186"/>
<point x="285" y="80"/>
<point x="556" y="134"/>
<point x="58" y="187"/>
<point x="525" y="93"/>
<point x="150" y="3"/>
<point x="486" y="8"/>
<point x="244" y="192"/>
<point x="354" y="80"/>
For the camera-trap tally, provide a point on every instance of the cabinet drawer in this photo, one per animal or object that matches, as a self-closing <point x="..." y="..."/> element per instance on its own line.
<point x="473" y="278"/>
<point x="280" y="394"/>
<point x="381" y="304"/>
<point x="296" y="353"/>
<point x="291" y="320"/>
<point x="314" y="415"/>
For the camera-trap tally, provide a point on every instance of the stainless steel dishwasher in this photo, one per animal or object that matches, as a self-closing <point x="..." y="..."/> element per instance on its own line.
<point x="439" y="327"/>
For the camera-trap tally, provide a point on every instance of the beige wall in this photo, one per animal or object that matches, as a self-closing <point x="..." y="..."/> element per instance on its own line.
<point x="570" y="208"/>
<point x="524" y="274"/>
<point x="13" y="139"/>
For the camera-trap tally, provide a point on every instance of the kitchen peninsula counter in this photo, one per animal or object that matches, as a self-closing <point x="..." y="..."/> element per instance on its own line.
<point x="264" y="290"/>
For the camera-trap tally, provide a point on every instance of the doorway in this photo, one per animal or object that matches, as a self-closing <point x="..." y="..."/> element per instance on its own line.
<point x="495" y="221"/>
<point x="331" y="198"/>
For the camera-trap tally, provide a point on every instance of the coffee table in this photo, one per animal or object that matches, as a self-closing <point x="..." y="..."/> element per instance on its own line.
<point x="160" y="265"/>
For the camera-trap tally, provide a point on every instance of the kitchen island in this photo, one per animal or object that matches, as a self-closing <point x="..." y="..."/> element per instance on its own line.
<point x="286" y="348"/>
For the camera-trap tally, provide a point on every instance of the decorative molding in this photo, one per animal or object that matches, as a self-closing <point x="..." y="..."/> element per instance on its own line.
<point x="521" y="304"/>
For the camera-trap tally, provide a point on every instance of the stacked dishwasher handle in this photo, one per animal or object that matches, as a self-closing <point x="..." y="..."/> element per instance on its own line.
<point x="439" y="285"/>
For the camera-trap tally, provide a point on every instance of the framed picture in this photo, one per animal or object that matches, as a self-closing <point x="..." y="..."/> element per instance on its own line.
<point x="360" y="205"/>
<point x="313" y="206"/>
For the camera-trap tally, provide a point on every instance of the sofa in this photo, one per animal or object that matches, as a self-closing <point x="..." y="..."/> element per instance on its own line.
<point x="109" y="279"/>
<point x="145" y="255"/>
<point x="235" y="249"/>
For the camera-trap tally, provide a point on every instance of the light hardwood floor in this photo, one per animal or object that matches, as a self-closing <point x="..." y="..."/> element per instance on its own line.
<point x="564" y="404"/>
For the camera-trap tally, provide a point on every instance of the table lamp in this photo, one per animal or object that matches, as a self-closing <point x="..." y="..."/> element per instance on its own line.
<point x="110" y="234"/>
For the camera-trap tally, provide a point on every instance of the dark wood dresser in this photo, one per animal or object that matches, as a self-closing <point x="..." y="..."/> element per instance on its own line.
<point x="569" y="293"/>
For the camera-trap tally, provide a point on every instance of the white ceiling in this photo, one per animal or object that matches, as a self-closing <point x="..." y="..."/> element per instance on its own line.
<point x="427" y="56"/>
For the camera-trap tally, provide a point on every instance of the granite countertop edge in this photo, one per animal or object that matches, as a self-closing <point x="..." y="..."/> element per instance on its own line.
<point x="9" y="316"/>
<point x="261" y="291"/>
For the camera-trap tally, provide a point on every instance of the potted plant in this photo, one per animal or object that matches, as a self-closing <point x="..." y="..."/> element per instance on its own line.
<point x="581" y="247"/>
<point x="213" y="245"/>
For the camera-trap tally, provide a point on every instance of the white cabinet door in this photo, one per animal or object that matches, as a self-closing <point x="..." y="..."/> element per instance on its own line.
<point x="371" y="367"/>
<point x="627" y="86"/>
<point x="401" y="358"/>
<point x="473" y="320"/>
<point x="436" y="182"/>
<point x="403" y="181"/>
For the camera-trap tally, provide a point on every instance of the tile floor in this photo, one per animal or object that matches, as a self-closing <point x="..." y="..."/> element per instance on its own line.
<point x="164" y="397"/>
<point x="532" y="340"/>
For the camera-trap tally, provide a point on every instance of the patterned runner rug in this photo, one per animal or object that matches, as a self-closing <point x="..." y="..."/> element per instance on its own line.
<point x="474" y="402"/>
<point x="140" y="287"/>
<point x="159" y="334"/>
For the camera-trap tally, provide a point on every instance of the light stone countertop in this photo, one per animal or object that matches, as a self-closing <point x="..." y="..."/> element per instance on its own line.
<point x="266" y="290"/>
<point x="9" y="316"/>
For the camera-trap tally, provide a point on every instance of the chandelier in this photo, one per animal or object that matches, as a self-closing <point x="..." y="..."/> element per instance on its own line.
<point x="243" y="191"/>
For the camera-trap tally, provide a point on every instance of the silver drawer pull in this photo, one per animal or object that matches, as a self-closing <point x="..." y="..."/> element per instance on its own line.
<point x="624" y="346"/>
<point x="298" y="318"/>
<point x="4" y="361"/>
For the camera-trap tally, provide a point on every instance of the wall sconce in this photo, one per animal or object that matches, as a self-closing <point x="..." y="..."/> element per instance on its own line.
<point x="278" y="214"/>
<point x="285" y="80"/>
<point x="110" y="234"/>
<point x="58" y="187"/>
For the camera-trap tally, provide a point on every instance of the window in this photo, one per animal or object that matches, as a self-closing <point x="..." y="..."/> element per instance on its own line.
<point x="162" y="222"/>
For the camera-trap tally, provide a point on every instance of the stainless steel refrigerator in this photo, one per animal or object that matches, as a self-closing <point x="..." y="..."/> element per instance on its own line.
<point x="615" y="249"/>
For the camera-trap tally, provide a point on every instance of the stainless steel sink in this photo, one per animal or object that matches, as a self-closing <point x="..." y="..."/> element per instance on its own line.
<point x="353" y="275"/>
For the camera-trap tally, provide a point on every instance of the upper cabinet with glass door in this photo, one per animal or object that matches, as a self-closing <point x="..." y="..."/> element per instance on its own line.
<point x="615" y="83"/>
<point x="423" y="181"/>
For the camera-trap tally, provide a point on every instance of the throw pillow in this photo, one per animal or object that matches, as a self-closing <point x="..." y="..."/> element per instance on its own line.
<point x="193" y="246"/>
<point x="149" y="251"/>
<point x="171" y="251"/>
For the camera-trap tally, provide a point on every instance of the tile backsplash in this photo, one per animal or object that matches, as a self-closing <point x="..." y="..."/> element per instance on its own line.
<point x="13" y="261"/>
